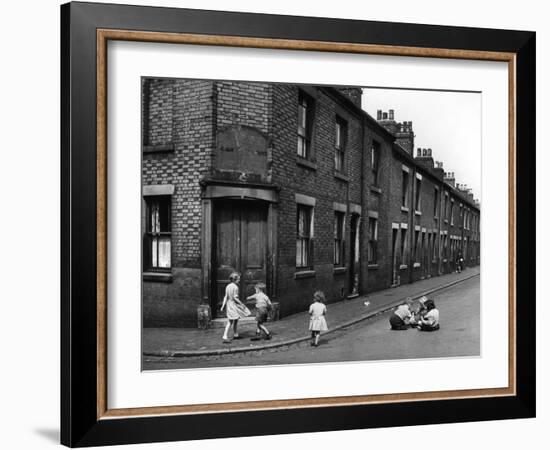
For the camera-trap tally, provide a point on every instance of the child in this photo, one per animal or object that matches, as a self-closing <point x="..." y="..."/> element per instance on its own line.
<point x="263" y="306"/>
<point x="420" y="312"/>
<point x="430" y="321"/>
<point x="235" y="308"/>
<point x="317" y="321"/>
<point x="401" y="317"/>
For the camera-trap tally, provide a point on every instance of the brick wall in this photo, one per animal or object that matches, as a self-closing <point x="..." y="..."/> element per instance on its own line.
<point x="180" y="113"/>
<point x="316" y="180"/>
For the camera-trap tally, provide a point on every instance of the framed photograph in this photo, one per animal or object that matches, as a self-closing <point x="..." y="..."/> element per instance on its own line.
<point x="277" y="224"/>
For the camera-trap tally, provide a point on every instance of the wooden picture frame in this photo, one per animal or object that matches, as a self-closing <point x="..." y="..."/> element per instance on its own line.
<point x="85" y="416"/>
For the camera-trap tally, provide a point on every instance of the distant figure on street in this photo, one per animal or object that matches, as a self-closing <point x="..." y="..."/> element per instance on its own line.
<point x="401" y="317"/>
<point x="235" y="308"/>
<point x="430" y="321"/>
<point x="317" y="321"/>
<point x="459" y="262"/>
<point x="263" y="306"/>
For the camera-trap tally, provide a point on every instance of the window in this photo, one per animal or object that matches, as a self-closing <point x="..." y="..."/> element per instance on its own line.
<point x="158" y="245"/>
<point x="436" y="201"/>
<point x="339" y="238"/>
<point x="305" y="122"/>
<point x="404" y="188"/>
<point x="373" y="239"/>
<point x="417" y="194"/>
<point x="403" y="244"/>
<point x="304" y="241"/>
<point x="375" y="161"/>
<point x="340" y="144"/>
<point x="460" y="215"/>
<point x="434" y="246"/>
<point x="446" y="207"/>
<point x="451" y="212"/>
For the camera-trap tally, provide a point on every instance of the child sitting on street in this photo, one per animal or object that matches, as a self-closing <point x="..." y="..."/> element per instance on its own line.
<point x="430" y="321"/>
<point x="419" y="313"/>
<point x="263" y="306"/>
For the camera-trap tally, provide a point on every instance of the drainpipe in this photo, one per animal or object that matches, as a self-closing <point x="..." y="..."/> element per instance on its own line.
<point x="411" y="222"/>
<point x="364" y="211"/>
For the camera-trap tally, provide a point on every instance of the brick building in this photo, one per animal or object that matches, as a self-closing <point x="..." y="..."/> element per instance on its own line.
<point x="292" y="185"/>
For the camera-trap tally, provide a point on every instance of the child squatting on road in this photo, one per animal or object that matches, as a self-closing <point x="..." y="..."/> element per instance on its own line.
<point x="401" y="317"/>
<point x="235" y="308"/>
<point x="263" y="306"/>
<point x="317" y="321"/>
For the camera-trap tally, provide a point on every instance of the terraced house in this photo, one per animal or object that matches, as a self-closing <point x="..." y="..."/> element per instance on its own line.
<point x="292" y="185"/>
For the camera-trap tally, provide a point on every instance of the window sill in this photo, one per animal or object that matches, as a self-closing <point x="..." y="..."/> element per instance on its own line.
<point x="403" y="266"/>
<point x="373" y="266"/>
<point x="418" y="213"/>
<point x="338" y="270"/>
<point x="416" y="264"/>
<point x="341" y="176"/>
<point x="306" y="163"/>
<point x="404" y="209"/>
<point x="375" y="189"/>
<point x="159" y="277"/>
<point x="446" y="221"/>
<point x="304" y="274"/>
<point x="165" y="148"/>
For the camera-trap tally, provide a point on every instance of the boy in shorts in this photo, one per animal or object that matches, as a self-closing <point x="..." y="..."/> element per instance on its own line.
<point x="263" y="306"/>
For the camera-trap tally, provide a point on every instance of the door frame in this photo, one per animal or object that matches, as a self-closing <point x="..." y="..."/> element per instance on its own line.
<point x="215" y="191"/>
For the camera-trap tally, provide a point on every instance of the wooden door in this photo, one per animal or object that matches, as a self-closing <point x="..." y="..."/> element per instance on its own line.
<point x="240" y="236"/>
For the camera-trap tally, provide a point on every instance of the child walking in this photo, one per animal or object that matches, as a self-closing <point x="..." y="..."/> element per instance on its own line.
<point x="317" y="321"/>
<point x="263" y="306"/>
<point x="235" y="308"/>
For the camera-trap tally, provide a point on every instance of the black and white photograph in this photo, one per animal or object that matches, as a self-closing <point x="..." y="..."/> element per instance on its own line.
<point x="301" y="224"/>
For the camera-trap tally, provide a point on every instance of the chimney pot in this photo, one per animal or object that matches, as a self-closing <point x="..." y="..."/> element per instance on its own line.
<point x="391" y="114"/>
<point x="418" y="152"/>
<point x="384" y="115"/>
<point x="379" y="114"/>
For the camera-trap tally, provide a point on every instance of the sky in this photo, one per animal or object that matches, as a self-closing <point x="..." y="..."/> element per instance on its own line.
<point x="447" y="122"/>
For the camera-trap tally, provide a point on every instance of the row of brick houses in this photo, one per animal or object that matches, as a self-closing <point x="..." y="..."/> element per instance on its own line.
<point x="292" y="185"/>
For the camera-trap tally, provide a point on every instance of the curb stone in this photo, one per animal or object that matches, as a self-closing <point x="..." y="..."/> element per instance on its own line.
<point x="288" y="342"/>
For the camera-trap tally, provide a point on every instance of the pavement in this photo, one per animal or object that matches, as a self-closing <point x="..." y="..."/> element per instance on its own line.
<point x="181" y="342"/>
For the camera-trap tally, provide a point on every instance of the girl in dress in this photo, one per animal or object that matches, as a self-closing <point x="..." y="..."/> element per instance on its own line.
<point x="235" y="308"/>
<point x="317" y="321"/>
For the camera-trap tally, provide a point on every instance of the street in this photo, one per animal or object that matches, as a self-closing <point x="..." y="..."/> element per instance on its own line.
<point x="370" y="339"/>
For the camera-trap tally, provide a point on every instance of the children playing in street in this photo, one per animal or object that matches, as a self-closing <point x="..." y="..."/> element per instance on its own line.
<point x="235" y="308"/>
<point x="317" y="321"/>
<point x="263" y="306"/>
